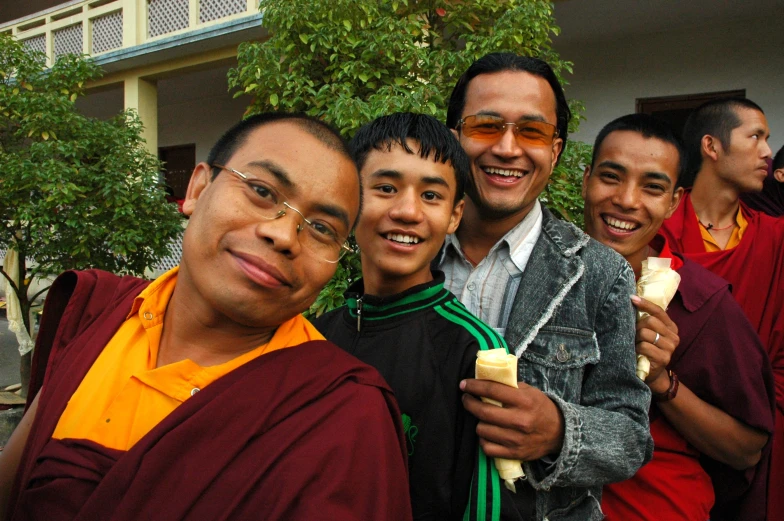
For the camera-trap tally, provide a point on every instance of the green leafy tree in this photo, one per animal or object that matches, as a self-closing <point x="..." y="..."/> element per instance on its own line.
<point x="75" y="192"/>
<point x="350" y="61"/>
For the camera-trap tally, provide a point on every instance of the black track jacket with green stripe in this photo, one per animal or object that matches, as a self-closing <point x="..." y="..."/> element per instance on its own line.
<point x="424" y="342"/>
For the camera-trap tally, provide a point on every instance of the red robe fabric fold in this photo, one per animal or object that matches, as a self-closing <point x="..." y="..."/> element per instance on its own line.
<point x="755" y="269"/>
<point x="302" y="433"/>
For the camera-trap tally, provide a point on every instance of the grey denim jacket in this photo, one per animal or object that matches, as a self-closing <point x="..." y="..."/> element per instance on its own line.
<point x="572" y="326"/>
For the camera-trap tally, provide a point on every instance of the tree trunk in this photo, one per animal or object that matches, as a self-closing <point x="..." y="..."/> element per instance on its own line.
<point x="24" y="370"/>
<point x="24" y="305"/>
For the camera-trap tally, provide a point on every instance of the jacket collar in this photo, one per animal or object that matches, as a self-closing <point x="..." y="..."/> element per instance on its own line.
<point x="553" y="268"/>
<point x="413" y="299"/>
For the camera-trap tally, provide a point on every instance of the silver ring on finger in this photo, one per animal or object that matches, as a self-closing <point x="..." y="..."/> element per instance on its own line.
<point x="655" y="340"/>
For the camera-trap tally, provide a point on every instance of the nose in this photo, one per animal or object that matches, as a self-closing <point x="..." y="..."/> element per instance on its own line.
<point x="507" y="146"/>
<point x="625" y="196"/>
<point x="407" y="207"/>
<point x="766" y="151"/>
<point x="282" y="232"/>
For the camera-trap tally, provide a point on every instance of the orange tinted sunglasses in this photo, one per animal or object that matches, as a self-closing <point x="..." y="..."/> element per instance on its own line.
<point x="491" y="128"/>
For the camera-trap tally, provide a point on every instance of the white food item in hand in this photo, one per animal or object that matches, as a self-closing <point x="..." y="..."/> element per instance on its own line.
<point x="499" y="366"/>
<point x="658" y="283"/>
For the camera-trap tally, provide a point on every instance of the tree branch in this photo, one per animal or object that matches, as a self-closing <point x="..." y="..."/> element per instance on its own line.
<point x="32" y="299"/>
<point x="10" y="281"/>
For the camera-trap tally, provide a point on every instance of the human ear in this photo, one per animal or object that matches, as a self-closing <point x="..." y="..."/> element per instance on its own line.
<point x="200" y="179"/>
<point x="586" y="175"/>
<point x="457" y="215"/>
<point x="676" y="200"/>
<point x="708" y="145"/>
<point x="779" y="175"/>
<point x="557" y="148"/>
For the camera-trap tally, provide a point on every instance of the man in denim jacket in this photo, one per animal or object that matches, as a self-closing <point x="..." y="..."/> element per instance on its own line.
<point x="579" y="418"/>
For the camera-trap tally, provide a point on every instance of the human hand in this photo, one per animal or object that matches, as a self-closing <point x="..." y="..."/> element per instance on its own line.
<point x="657" y="350"/>
<point x="528" y="426"/>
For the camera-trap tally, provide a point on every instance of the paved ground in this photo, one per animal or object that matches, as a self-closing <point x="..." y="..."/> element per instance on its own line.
<point x="9" y="354"/>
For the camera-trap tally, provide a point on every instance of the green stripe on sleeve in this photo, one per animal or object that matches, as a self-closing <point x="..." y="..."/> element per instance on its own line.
<point x="450" y="316"/>
<point x="459" y="309"/>
<point x="481" y="500"/>
<point x="495" y="479"/>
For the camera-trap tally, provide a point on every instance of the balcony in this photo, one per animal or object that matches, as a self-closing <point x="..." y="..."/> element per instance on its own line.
<point x="101" y="26"/>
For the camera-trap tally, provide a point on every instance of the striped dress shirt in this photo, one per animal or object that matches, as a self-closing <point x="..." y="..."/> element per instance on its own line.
<point x="488" y="290"/>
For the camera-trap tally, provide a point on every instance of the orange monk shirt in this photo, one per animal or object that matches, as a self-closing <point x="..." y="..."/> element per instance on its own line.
<point x="737" y="234"/>
<point x="124" y="396"/>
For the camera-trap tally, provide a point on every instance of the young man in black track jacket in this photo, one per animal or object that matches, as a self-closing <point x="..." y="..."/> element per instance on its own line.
<point x="401" y="320"/>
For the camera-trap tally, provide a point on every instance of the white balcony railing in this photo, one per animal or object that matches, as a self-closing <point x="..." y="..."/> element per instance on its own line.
<point x="98" y="26"/>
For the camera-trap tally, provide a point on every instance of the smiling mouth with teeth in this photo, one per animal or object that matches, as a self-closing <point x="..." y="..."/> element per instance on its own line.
<point x="621" y="226"/>
<point x="403" y="239"/>
<point x="503" y="172"/>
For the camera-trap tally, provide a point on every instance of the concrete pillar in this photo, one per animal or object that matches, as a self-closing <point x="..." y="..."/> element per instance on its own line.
<point x="142" y="95"/>
<point x="134" y="22"/>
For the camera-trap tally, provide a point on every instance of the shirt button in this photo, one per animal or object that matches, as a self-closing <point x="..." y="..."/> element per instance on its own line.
<point x="194" y="391"/>
<point x="148" y="315"/>
<point x="471" y="286"/>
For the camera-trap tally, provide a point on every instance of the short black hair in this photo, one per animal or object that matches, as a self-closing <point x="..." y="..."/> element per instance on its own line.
<point x="508" y="61"/>
<point x="233" y="138"/>
<point x="778" y="160"/>
<point x="432" y="136"/>
<point x="222" y="151"/>
<point x="717" y="118"/>
<point x="647" y="126"/>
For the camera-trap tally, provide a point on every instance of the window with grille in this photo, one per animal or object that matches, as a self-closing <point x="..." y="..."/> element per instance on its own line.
<point x="171" y="260"/>
<point x="36" y="43"/>
<point x="68" y="40"/>
<point x="166" y="16"/>
<point x="107" y="32"/>
<point x="214" y="9"/>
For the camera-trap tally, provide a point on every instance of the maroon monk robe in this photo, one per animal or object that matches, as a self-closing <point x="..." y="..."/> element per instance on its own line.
<point x="755" y="269"/>
<point x="307" y="432"/>
<point x="721" y="360"/>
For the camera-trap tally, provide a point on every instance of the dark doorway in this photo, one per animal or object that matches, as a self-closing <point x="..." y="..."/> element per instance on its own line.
<point x="676" y="109"/>
<point x="179" y="162"/>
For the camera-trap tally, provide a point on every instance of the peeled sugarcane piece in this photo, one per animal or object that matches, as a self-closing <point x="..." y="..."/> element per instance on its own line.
<point x="499" y="366"/>
<point x="657" y="284"/>
<point x="643" y="367"/>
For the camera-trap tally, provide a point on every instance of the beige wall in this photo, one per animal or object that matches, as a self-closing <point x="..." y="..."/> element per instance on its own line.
<point x="193" y="107"/>
<point x="748" y="54"/>
<point x="197" y="108"/>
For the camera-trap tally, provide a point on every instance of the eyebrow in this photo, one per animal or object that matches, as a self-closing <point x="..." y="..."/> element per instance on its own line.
<point x="664" y="178"/>
<point x="648" y="175"/>
<point x="612" y="164"/>
<point x="278" y="172"/>
<point x="396" y="174"/>
<point x="333" y="211"/>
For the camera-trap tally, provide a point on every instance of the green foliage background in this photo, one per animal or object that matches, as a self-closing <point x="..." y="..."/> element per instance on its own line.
<point x="350" y="61"/>
<point x="75" y="192"/>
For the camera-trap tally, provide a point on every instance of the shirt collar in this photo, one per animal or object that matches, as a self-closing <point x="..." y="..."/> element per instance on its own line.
<point x="526" y="232"/>
<point x="156" y="296"/>
<point x="514" y="239"/>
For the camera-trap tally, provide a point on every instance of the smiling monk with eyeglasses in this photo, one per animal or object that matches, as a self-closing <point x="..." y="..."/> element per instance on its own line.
<point x="205" y="394"/>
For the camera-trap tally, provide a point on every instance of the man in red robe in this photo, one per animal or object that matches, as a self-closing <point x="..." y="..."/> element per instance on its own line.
<point x="712" y="387"/>
<point x="726" y="143"/>
<point x="205" y="394"/>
